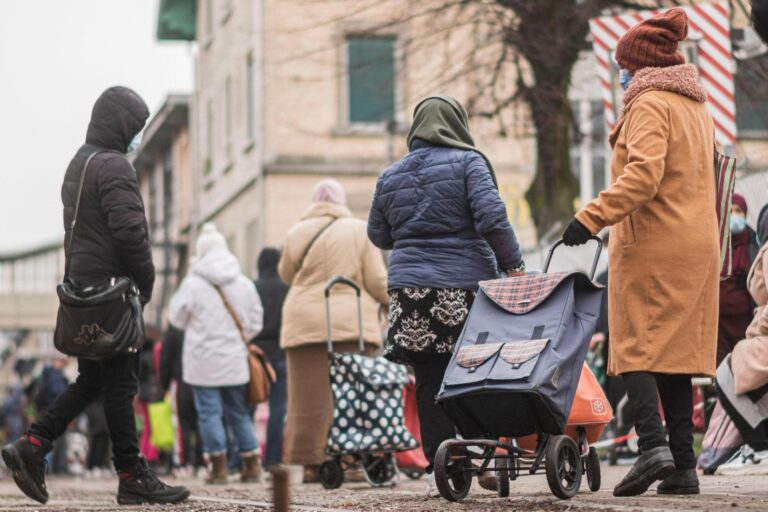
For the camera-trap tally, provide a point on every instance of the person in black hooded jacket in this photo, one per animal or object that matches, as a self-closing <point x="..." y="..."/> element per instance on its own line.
<point x="272" y="291"/>
<point x="111" y="239"/>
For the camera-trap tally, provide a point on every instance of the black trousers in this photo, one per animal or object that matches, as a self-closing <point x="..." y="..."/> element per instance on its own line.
<point x="118" y="378"/>
<point x="435" y="425"/>
<point x="191" y="441"/>
<point x="98" y="450"/>
<point x="756" y="438"/>
<point x="676" y="393"/>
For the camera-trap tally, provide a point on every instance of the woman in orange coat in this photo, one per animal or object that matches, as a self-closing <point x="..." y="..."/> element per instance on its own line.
<point x="664" y="251"/>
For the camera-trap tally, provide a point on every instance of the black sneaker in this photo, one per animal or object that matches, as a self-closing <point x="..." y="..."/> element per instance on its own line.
<point x="655" y="464"/>
<point x="27" y="463"/>
<point x="682" y="481"/>
<point x="143" y="486"/>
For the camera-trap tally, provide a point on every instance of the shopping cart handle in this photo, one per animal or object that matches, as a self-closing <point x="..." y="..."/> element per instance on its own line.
<point x="341" y="280"/>
<point x="595" y="261"/>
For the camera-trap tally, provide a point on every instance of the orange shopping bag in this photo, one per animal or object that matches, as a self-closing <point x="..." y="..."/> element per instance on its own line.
<point x="590" y="411"/>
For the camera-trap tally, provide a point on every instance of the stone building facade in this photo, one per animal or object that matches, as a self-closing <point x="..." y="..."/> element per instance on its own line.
<point x="291" y="91"/>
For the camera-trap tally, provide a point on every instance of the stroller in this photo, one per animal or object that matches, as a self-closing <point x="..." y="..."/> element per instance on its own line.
<point x="368" y="426"/>
<point x="510" y="385"/>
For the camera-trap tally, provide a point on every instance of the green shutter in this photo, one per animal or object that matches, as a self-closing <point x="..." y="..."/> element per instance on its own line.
<point x="371" y="62"/>
<point x="177" y="20"/>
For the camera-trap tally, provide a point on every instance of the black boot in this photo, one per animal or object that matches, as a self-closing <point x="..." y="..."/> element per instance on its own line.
<point x="142" y="486"/>
<point x="27" y="463"/>
<point x="654" y="464"/>
<point x="682" y="481"/>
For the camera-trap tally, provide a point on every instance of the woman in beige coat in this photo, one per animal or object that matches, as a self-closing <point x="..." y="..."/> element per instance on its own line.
<point x="749" y="366"/>
<point x="664" y="252"/>
<point x="327" y="242"/>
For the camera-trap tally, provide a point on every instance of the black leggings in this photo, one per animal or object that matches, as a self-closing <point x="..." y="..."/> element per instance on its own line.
<point x="435" y="425"/>
<point x="676" y="392"/>
<point x="756" y="438"/>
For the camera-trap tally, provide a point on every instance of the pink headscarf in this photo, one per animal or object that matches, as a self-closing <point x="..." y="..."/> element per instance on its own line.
<point x="329" y="191"/>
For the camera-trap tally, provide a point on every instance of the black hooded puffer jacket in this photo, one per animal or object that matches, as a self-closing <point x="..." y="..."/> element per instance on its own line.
<point x="272" y="292"/>
<point x="111" y="236"/>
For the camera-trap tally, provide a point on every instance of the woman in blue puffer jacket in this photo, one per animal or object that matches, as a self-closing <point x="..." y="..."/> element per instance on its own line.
<point x="439" y="211"/>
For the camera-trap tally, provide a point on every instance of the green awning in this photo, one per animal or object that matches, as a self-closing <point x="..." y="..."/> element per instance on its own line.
<point x="177" y="20"/>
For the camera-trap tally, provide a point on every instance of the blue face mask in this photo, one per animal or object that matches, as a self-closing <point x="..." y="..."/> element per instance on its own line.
<point x="134" y="144"/>
<point x="738" y="224"/>
<point x="625" y="76"/>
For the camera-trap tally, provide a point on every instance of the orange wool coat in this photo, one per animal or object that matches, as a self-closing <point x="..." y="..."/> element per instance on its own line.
<point x="664" y="251"/>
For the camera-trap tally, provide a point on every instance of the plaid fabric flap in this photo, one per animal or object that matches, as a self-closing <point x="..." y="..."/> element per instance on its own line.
<point x="522" y="294"/>
<point x="518" y="352"/>
<point x="472" y="356"/>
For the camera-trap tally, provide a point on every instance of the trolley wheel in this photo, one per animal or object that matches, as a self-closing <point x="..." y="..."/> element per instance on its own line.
<point x="563" y="467"/>
<point x="502" y="477"/>
<point x="379" y="468"/>
<point x="331" y="474"/>
<point x="593" y="469"/>
<point x="413" y="474"/>
<point x="613" y="450"/>
<point x="453" y="476"/>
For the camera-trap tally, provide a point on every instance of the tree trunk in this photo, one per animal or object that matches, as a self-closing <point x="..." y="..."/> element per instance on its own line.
<point x="554" y="188"/>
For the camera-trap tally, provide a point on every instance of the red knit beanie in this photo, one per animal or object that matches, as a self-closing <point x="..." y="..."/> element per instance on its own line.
<point x="653" y="42"/>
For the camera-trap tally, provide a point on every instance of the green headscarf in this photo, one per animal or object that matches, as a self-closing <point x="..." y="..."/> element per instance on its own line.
<point x="442" y="121"/>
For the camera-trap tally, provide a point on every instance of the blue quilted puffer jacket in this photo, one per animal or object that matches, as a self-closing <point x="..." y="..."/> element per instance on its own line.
<point x="440" y="213"/>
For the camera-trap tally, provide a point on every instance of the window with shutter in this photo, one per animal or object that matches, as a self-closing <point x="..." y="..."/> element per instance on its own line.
<point x="371" y="75"/>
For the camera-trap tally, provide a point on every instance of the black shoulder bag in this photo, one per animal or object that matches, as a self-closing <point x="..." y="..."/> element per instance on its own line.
<point x="97" y="322"/>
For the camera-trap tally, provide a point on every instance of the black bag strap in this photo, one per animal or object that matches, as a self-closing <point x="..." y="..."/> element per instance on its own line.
<point x="314" y="239"/>
<point x="77" y="210"/>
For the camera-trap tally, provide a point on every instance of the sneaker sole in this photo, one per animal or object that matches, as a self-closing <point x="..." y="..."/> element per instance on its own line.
<point x="751" y="470"/>
<point x="135" y="499"/>
<point x="21" y="475"/>
<point x="639" y="486"/>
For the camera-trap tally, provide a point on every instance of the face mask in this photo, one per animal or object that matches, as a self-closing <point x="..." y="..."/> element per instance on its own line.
<point x="135" y="143"/>
<point x="738" y="224"/>
<point x="624" y="78"/>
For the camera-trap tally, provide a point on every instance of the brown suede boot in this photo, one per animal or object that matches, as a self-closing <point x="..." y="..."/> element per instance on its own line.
<point x="250" y="468"/>
<point x="219" y="469"/>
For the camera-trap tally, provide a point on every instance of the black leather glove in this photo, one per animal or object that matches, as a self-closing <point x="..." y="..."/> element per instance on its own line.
<point x="576" y="234"/>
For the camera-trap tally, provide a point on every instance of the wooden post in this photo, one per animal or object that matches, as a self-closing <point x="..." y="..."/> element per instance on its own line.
<point x="280" y="489"/>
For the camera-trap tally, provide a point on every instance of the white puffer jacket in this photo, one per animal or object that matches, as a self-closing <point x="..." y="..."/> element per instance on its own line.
<point x="214" y="353"/>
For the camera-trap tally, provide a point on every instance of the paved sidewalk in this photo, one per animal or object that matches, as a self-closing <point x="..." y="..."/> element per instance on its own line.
<point x="528" y="493"/>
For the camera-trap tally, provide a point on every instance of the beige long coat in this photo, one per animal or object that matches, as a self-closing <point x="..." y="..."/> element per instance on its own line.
<point x="749" y="360"/>
<point x="664" y="250"/>
<point x="343" y="249"/>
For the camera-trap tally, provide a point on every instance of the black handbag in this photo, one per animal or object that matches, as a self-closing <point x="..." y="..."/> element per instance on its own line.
<point x="97" y="322"/>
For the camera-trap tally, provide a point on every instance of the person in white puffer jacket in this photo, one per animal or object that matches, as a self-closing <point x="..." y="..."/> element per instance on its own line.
<point x="214" y="358"/>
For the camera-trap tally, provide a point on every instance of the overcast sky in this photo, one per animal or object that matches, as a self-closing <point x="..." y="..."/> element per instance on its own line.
<point x="56" y="57"/>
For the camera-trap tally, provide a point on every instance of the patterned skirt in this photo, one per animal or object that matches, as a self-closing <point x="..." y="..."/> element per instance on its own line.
<point x="424" y="322"/>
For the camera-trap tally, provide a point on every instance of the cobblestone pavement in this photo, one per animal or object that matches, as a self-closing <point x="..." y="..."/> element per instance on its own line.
<point x="530" y="494"/>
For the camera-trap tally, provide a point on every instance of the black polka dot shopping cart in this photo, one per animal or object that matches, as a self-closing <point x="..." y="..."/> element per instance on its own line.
<point x="368" y="418"/>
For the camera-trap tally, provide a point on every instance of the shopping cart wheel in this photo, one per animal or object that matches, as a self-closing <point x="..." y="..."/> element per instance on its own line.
<point x="502" y="477"/>
<point x="593" y="469"/>
<point x="413" y="474"/>
<point x="453" y="472"/>
<point x="563" y="466"/>
<point x="379" y="469"/>
<point x="331" y="474"/>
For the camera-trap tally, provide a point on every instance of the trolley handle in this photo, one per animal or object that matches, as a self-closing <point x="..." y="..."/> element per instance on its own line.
<point x="595" y="261"/>
<point x="341" y="280"/>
